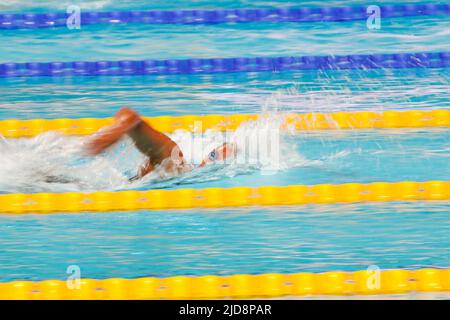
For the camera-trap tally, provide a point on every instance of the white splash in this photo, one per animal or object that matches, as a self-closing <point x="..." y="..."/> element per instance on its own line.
<point x="52" y="162"/>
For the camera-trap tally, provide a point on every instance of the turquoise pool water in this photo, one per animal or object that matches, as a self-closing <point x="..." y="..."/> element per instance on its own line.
<point x="347" y="90"/>
<point x="228" y="241"/>
<point x="278" y="239"/>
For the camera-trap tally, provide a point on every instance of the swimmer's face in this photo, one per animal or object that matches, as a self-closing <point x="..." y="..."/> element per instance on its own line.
<point x="220" y="153"/>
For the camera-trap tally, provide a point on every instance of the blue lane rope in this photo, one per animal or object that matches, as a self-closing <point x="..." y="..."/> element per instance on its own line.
<point x="223" y="65"/>
<point x="307" y="14"/>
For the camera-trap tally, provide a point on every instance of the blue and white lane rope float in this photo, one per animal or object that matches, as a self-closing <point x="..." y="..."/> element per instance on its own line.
<point x="225" y="65"/>
<point x="305" y="14"/>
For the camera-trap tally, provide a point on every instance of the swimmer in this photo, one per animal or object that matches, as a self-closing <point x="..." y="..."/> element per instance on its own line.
<point x="161" y="151"/>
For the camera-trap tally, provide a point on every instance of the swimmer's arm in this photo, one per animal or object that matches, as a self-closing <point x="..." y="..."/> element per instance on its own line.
<point x="101" y="140"/>
<point x="106" y="137"/>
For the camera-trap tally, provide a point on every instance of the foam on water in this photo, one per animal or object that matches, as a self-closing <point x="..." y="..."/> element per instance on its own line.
<point x="52" y="162"/>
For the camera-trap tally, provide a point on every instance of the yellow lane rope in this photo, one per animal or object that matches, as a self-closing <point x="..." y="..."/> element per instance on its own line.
<point x="306" y="121"/>
<point x="223" y="197"/>
<point x="395" y="281"/>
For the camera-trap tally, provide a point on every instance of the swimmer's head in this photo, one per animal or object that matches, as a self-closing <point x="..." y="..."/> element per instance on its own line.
<point x="220" y="153"/>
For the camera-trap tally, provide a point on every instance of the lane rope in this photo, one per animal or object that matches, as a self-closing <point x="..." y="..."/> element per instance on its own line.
<point x="300" y="121"/>
<point x="73" y="202"/>
<point x="225" y="65"/>
<point x="305" y="14"/>
<point x="393" y="281"/>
